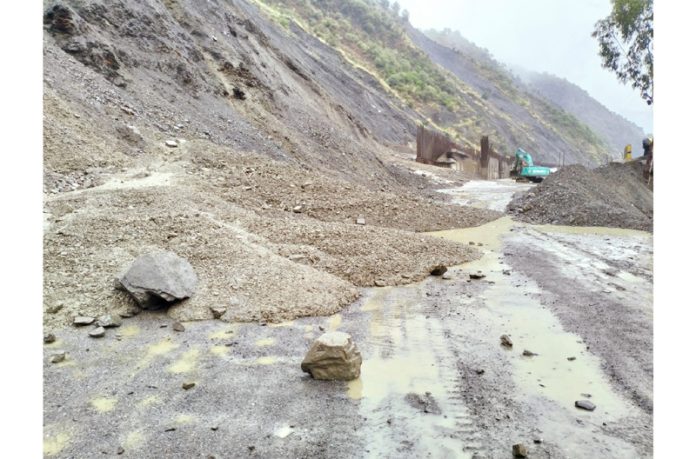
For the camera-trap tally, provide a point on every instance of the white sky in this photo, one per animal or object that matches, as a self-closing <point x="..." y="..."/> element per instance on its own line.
<point x="540" y="35"/>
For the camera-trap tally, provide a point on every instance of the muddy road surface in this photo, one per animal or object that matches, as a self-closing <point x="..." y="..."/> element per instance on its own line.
<point x="436" y="381"/>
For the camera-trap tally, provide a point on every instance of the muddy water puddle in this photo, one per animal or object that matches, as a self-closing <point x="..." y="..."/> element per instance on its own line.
<point x="486" y="194"/>
<point x="409" y="360"/>
<point x="559" y="366"/>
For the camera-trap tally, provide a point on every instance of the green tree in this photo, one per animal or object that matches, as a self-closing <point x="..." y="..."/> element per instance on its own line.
<point x="625" y="43"/>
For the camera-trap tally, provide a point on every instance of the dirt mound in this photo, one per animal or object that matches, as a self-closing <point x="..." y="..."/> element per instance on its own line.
<point x="253" y="254"/>
<point x="612" y="196"/>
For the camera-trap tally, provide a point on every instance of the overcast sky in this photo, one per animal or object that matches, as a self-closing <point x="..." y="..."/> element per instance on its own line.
<point x="540" y="35"/>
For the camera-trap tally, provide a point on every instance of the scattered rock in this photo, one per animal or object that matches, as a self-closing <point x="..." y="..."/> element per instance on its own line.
<point x="519" y="450"/>
<point x="81" y="321"/>
<point x="425" y="403"/>
<point x="480" y="371"/>
<point x="97" y="332"/>
<point x="171" y="143"/>
<point x="506" y="272"/>
<point x="297" y="209"/>
<point x="505" y="341"/>
<point x="218" y="312"/>
<point x="188" y="385"/>
<point x="360" y="221"/>
<point x="54" y="309"/>
<point x="480" y="244"/>
<point x="585" y="405"/>
<point x="571" y="359"/>
<point x="380" y="283"/>
<point x="157" y="279"/>
<point x="120" y="450"/>
<point x="538" y="441"/>
<point x="587" y="395"/>
<point x="58" y="357"/>
<point x="527" y="353"/>
<point x="438" y="270"/>
<point x="238" y="93"/>
<point x="109" y="321"/>
<point x="49" y="338"/>
<point x="446" y="276"/>
<point x="333" y="356"/>
<point x="177" y="326"/>
<point x="472" y="243"/>
<point x="130" y="312"/>
<point x="476" y="276"/>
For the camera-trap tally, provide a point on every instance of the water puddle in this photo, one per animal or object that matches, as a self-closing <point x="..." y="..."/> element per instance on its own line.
<point x="186" y="363"/>
<point x="509" y="306"/>
<point x="486" y="194"/>
<point x="409" y="359"/>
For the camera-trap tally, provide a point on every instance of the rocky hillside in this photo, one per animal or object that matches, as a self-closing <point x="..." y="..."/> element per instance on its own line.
<point x="538" y="124"/>
<point x="615" y="129"/>
<point x="441" y="84"/>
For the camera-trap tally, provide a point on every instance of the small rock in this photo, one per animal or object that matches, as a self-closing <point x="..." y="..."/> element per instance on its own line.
<point x="527" y="353"/>
<point x="587" y="395"/>
<point x="218" y="312"/>
<point x="538" y="441"/>
<point x="519" y="450"/>
<point x="380" y="283"/>
<point x="188" y="385"/>
<point x="58" y="357"/>
<point x="171" y="143"/>
<point x="585" y="405"/>
<point x="425" y="403"/>
<point x="177" y="326"/>
<point x="297" y="209"/>
<point x="55" y="308"/>
<point x="438" y="270"/>
<point x="109" y="321"/>
<point x="476" y="276"/>
<point x="472" y="243"/>
<point x="480" y="371"/>
<point x="333" y="356"/>
<point x="97" y="332"/>
<point x="360" y="221"/>
<point x="446" y="276"/>
<point x="214" y="428"/>
<point x="49" y="338"/>
<point x="81" y="321"/>
<point x="128" y="313"/>
<point x="480" y="244"/>
<point x="571" y="359"/>
<point x="505" y="341"/>
<point x="506" y="272"/>
<point x="120" y="450"/>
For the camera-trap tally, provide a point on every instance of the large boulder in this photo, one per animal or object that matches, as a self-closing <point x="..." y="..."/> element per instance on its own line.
<point x="333" y="356"/>
<point x="158" y="279"/>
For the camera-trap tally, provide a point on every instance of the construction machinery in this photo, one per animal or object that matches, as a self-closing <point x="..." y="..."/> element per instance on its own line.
<point x="525" y="169"/>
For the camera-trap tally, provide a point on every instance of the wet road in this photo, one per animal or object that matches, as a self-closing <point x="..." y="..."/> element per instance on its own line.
<point x="558" y="292"/>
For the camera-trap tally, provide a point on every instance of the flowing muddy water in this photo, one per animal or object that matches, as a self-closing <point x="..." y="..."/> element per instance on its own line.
<point x="415" y="345"/>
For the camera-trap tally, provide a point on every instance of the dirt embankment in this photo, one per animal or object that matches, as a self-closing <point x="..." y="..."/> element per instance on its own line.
<point x="269" y="241"/>
<point x="614" y="195"/>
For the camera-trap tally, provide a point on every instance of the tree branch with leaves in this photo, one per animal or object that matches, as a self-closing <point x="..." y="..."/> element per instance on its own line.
<point x="626" y="44"/>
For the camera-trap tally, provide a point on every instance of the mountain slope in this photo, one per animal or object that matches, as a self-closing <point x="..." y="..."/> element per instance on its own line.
<point x="434" y="81"/>
<point x="617" y="130"/>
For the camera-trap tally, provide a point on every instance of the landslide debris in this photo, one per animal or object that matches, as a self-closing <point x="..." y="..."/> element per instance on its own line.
<point x="614" y="195"/>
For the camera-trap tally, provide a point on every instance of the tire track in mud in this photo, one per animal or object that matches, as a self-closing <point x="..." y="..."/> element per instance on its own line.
<point x="409" y="353"/>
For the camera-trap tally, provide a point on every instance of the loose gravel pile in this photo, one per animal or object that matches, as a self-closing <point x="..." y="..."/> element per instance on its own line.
<point x="614" y="195"/>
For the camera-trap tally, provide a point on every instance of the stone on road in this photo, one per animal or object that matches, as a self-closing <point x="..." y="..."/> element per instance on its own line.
<point x="333" y="356"/>
<point x="585" y="405"/>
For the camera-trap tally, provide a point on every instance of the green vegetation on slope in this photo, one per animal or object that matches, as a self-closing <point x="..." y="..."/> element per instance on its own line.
<point x="373" y="37"/>
<point x="371" y="34"/>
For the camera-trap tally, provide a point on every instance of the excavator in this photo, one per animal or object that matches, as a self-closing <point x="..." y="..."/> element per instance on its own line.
<point x="525" y="170"/>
